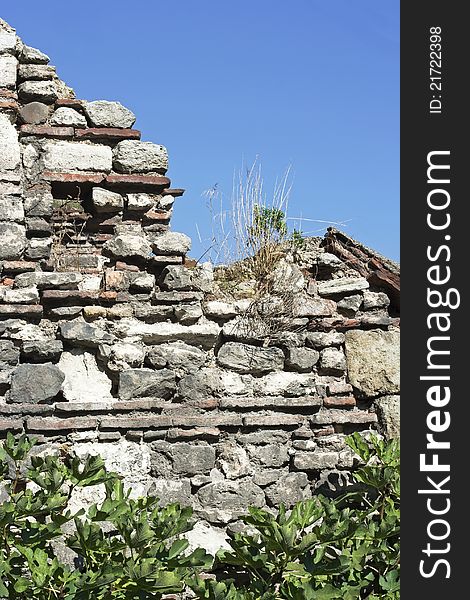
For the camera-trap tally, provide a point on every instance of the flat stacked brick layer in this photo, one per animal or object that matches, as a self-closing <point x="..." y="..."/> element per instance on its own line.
<point x="111" y="342"/>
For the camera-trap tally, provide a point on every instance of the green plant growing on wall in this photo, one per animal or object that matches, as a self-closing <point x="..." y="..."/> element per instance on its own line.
<point x="323" y="549"/>
<point x="127" y="548"/>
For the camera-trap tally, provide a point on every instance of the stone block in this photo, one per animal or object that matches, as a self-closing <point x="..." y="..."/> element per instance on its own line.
<point x="105" y="201"/>
<point x="373" y="360"/>
<point x="38" y="91"/>
<point x="8" y="68"/>
<point x="35" y="383"/>
<point x="68" y="117"/>
<point x="134" y="156"/>
<point x="135" y="383"/>
<point x="102" y="113"/>
<point x="34" y="113"/>
<point x="244" y="358"/>
<point x="75" y="156"/>
<point x="342" y="286"/>
<point x="12" y="240"/>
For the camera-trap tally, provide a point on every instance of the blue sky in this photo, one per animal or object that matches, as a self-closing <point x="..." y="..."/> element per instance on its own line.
<point x="308" y="83"/>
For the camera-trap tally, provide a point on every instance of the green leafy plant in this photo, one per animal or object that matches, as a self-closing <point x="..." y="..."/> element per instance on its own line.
<point x="125" y="548"/>
<point x="323" y="548"/>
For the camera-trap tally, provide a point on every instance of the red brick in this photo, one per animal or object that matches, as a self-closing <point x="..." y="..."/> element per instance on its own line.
<point x="32" y="311"/>
<point x="107" y="133"/>
<point x="324" y="431"/>
<point x="4" y="93"/>
<point x="55" y="424"/>
<point x="47" y="131"/>
<point x="143" y="422"/>
<point x="219" y="420"/>
<point x="155" y="215"/>
<point x="279" y="420"/>
<point x="9" y="105"/>
<point x="270" y="402"/>
<point x="11" y="424"/>
<point x="77" y="297"/>
<point x="26" y="408"/>
<point x="78" y="407"/>
<point x="332" y="416"/>
<point x="338" y="388"/>
<point x="74" y="177"/>
<point x="19" y="266"/>
<point x="339" y="402"/>
<point x="69" y="103"/>
<point x="122" y="266"/>
<point x="173" y="192"/>
<point x="200" y="432"/>
<point x="138" y="180"/>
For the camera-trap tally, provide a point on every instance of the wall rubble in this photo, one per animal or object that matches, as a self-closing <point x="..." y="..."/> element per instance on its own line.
<point x="112" y="342"/>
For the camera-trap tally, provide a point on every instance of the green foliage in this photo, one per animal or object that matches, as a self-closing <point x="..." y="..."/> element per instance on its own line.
<point x="268" y="224"/>
<point x="129" y="548"/>
<point x="322" y="549"/>
<point x="126" y="548"/>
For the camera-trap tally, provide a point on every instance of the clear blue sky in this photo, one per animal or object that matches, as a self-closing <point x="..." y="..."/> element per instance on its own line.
<point x="311" y="83"/>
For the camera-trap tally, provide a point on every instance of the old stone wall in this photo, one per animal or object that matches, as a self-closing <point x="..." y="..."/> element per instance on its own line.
<point x="113" y="342"/>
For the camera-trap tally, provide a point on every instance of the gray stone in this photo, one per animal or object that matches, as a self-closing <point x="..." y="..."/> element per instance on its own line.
<point x="233" y="460"/>
<point x="318" y="339"/>
<point x="33" y="56"/>
<point x="373" y="359"/>
<point x="203" y="535"/>
<point x="221" y="310"/>
<point x="342" y="286"/>
<point x="177" y="277"/>
<point x="34" y="113"/>
<point x="350" y="305"/>
<point x="289" y="489"/>
<point x="84" y="381"/>
<point x="190" y="459"/>
<point x="306" y="306"/>
<point x="171" y="490"/>
<point x="19" y="296"/>
<point x="176" y="356"/>
<point x="244" y="358"/>
<point x="9" y="353"/>
<point x="68" y="117"/>
<point x="267" y="476"/>
<point x="38" y="248"/>
<point x="8" y="66"/>
<point x="134" y="156"/>
<point x="332" y="360"/>
<point x="9" y="146"/>
<point x="141" y="202"/>
<point x="49" y="280"/>
<point x="41" y="91"/>
<point x="81" y="333"/>
<point x="38" y="203"/>
<point x="388" y="412"/>
<point x="287" y="277"/>
<point x="35" y="72"/>
<point x="302" y="359"/>
<point x="142" y="281"/>
<point x="135" y="383"/>
<point x="41" y="350"/>
<point x="153" y="314"/>
<point x="187" y="314"/>
<point x="76" y="156"/>
<point x="269" y="455"/>
<point x="35" y="383"/>
<point x="375" y="300"/>
<point x="11" y="208"/>
<point x="308" y="461"/>
<point x="226" y="500"/>
<point x="12" y="240"/>
<point x="121" y="356"/>
<point x="102" y="113"/>
<point x="128" y="246"/>
<point x="171" y="242"/>
<point x="202" y="384"/>
<point x="106" y="201"/>
<point x="66" y="312"/>
<point x="203" y="334"/>
<point x="7" y="38"/>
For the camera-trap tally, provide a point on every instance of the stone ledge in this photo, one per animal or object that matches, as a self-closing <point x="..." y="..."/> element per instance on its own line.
<point x="83" y="177"/>
<point x="107" y="133"/>
<point x="305" y="402"/>
<point x="11" y="424"/>
<point x="33" y="311"/>
<point x="55" y="424"/>
<point x="156" y="181"/>
<point x="46" y="131"/>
